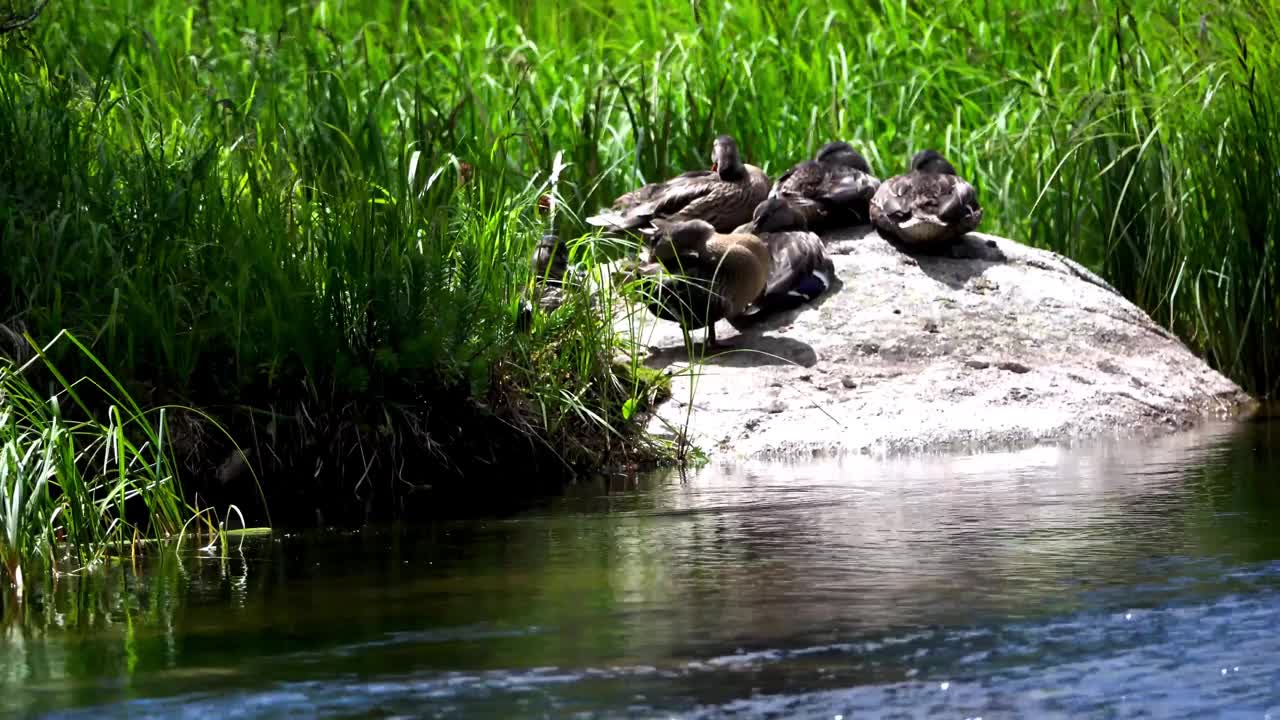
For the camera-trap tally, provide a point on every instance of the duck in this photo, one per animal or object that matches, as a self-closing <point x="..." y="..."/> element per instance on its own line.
<point x="801" y="270"/>
<point x="550" y="260"/>
<point x="832" y="190"/>
<point x="549" y="264"/>
<point x="723" y="196"/>
<point x="549" y="267"/>
<point x="928" y="208"/>
<point x="702" y="275"/>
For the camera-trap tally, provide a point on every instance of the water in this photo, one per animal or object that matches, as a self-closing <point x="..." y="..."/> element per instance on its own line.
<point x="1121" y="580"/>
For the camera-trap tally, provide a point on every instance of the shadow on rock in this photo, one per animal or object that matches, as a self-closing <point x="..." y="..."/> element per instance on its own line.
<point x="745" y="350"/>
<point x="844" y="241"/>
<point x="960" y="263"/>
<point x="763" y="322"/>
<point x="756" y="350"/>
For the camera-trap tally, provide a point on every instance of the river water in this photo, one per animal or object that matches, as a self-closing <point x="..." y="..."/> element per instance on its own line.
<point x="1118" y="579"/>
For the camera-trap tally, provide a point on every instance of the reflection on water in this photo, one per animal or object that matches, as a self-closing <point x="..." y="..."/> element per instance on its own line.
<point x="1135" y="577"/>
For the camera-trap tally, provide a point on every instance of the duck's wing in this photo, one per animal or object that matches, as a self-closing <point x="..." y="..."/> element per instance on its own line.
<point x="633" y="210"/>
<point x="943" y="200"/>
<point x="725" y="205"/>
<point x="782" y="183"/>
<point x="893" y="199"/>
<point x="959" y="206"/>
<point x="848" y="188"/>
<point x="653" y="191"/>
<point x="642" y="194"/>
<point x="620" y="215"/>
<point x="800" y="265"/>
<point x="813" y="211"/>
<point x="683" y="192"/>
<point x="678" y="199"/>
<point x="802" y="180"/>
<point x="802" y="271"/>
<point x="615" y="220"/>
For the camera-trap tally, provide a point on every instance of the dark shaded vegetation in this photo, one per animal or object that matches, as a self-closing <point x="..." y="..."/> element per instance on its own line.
<point x="312" y="220"/>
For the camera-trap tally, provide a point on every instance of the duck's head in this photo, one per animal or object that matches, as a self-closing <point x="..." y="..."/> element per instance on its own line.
<point x="931" y="161"/>
<point x="726" y="160"/>
<point x="776" y="214"/>
<point x="842" y="154"/>
<point x="675" y="238"/>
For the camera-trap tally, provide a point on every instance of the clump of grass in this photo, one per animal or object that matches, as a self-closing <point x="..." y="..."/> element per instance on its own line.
<point x="73" y="487"/>
<point x="313" y="219"/>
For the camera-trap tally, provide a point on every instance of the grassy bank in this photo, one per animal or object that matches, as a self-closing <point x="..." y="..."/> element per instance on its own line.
<point x="75" y="491"/>
<point x="312" y="219"/>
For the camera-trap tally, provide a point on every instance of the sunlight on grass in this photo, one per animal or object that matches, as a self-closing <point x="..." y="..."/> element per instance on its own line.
<point x="72" y="490"/>
<point x="317" y="216"/>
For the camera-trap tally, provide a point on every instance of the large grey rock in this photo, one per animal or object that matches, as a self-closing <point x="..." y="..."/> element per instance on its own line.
<point x="1004" y="346"/>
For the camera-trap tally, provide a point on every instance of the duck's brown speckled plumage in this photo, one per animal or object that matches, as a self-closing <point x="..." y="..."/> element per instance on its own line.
<point x="654" y="191"/>
<point x="832" y="190"/>
<point x="928" y="207"/>
<point x="723" y="196"/>
<point x="704" y="276"/>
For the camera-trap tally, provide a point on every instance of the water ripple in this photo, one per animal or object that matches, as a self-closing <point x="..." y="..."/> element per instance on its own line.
<point x="1130" y="580"/>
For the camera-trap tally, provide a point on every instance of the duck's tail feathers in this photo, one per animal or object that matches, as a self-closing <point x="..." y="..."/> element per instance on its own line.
<point x="607" y="218"/>
<point x="618" y="221"/>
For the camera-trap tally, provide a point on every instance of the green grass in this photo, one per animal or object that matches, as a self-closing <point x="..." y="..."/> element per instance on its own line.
<point x="259" y="208"/>
<point x="74" y="490"/>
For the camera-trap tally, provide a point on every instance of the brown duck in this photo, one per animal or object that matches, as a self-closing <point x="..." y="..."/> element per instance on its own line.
<point x="832" y="190"/>
<point x="702" y="276"/>
<point x="928" y="208"/>
<point x="801" y="268"/>
<point x="723" y="196"/>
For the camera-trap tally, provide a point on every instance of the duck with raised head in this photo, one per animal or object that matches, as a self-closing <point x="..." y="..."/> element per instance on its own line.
<point x="832" y="190"/>
<point x="801" y="269"/>
<point x="928" y="208"/>
<point x="703" y="276"/>
<point x="723" y="196"/>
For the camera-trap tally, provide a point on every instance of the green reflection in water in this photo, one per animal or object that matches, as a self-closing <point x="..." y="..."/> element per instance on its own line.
<point x="665" y="572"/>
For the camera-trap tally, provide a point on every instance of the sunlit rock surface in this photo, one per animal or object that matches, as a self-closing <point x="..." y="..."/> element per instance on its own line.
<point x="997" y="345"/>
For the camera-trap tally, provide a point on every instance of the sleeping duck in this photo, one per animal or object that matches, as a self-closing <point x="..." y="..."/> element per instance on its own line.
<point x="832" y="190"/>
<point x="702" y="276"/>
<point x="723" y="196"/>
<point x="928" y="208"/>
<point x="802" y="269"/>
